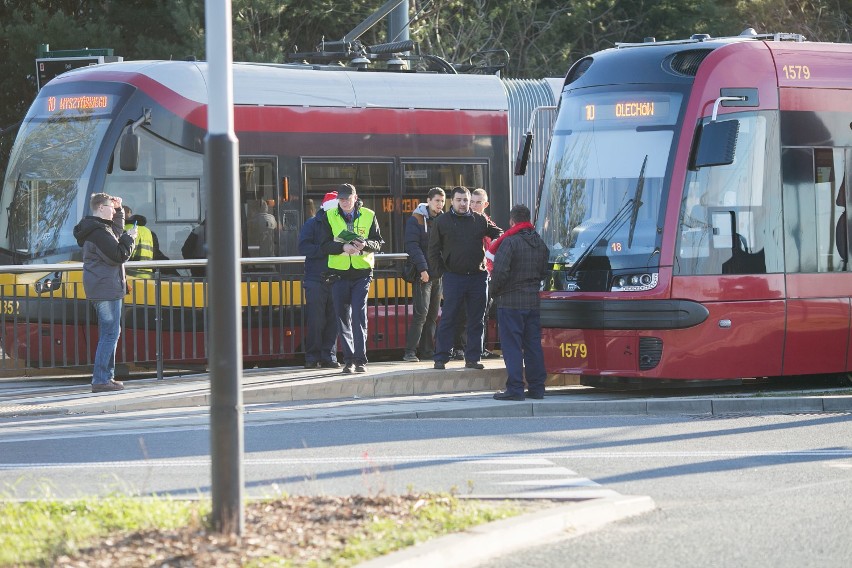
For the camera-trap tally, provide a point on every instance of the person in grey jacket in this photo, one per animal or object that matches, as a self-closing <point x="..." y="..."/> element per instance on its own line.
<point x="106" y="247"/>
<point x="520" y="264"/>
<point x="427" y="288"/>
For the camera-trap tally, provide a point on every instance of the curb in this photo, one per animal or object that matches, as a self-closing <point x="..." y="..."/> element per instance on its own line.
<point x="383" y="381"/>
<point x="651" y="407"/>
<point x="484" y="542"/>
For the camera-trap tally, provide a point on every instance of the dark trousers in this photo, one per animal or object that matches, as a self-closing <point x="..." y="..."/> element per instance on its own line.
<point x="467" y="292"/>
<point x="421" y="333"/>
<point x="520" y="340"/>
<point x="321" y="335"/>
<point x="350" y="308"/>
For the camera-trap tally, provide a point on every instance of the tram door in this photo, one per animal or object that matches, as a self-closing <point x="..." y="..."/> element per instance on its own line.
<point x="267" y="225"/>
<point x="818" y="276"/>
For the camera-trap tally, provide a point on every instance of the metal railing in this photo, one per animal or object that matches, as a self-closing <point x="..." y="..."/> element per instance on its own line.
<point x="47" y="323"/>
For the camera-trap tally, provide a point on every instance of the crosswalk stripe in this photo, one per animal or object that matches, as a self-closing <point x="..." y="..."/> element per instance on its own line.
<point x="575" y="482"/>
<point x="534" y="471"/>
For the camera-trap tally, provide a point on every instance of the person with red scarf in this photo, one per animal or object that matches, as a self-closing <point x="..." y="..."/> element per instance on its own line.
<point x="520" y="264"/>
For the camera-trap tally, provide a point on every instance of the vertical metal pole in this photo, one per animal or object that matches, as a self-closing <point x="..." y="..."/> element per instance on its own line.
<point x="158" y="323"/>
<point x="398" y="23"/>
<point x="223" y="271"/>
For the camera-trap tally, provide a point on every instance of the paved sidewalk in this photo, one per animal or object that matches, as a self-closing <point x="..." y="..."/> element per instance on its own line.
<point x="410" y="390"/>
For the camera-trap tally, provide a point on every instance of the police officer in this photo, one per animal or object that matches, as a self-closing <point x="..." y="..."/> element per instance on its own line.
<point x="352" y="238"/>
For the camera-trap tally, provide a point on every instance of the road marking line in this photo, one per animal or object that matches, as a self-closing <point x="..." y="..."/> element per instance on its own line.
<point x="555" y="470"/>
<point x="575" y="482"/>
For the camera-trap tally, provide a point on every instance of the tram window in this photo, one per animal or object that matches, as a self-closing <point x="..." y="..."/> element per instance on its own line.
<point x="419" y="178"/>
<point x="729" y="214"/>
<point x="266" y="224"/>
<point x="372" y="181"/>
<point x="158" y="188"/>
<point x="814" y="209"/>
<point x="178" y="200"/>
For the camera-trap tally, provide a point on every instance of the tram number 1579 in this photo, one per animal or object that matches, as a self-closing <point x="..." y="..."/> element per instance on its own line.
<point x="573" y="350"/>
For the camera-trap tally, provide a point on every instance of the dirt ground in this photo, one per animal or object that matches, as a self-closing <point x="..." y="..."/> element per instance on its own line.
<point x="299" y="529"/>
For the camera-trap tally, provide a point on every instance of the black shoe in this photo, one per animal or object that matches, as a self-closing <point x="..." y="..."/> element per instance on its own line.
<point x="535" y="395"/>
<point x="472" y="365"/>
<point x="360" y="368"/>
<point x="311" y="364"/>
<point x="347" y="369"/>
<point x="489" y="355"/>
<point x="329" y="364"/>
<point x="458" y="354"/>
<point x="504" y="395"/>
<point x="440" y="365"/>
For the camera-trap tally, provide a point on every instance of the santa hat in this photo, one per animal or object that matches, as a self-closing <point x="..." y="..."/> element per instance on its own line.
<point x="329" y="202"/>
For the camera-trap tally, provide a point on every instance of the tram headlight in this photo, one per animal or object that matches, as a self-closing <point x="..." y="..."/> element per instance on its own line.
<point x="637" y="282"/>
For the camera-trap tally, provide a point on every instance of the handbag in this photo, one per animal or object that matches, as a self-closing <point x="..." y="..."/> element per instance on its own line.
<point x="409" y="272"/>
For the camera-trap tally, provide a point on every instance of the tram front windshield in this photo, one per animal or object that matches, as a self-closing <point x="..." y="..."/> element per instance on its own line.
<point x="50" y="164"/>
<point x="602" y="195"/>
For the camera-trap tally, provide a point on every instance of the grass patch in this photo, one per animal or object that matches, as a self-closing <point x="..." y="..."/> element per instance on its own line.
<point x="37" y="532"/>
<point x="431" y="518"/>
<point x="285" y="532"/>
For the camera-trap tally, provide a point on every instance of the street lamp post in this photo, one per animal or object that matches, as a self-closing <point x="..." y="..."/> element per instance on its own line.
<point x="223" y="277"/>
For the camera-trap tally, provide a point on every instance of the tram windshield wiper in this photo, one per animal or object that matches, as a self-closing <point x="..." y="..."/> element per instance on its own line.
<point x="630" y="210"/>
<point x="637" y="201"/>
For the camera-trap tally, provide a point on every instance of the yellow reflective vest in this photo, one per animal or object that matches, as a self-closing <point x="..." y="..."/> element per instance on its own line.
<point x="144" y="249"/>
<point x="361" y="225"/>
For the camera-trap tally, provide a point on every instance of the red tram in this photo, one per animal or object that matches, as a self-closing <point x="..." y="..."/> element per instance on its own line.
<point x="302" y="129"/>
<point x="694" y="201"/>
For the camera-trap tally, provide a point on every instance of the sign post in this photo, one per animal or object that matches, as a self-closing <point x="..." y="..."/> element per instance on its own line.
<point x="50" y="64"/>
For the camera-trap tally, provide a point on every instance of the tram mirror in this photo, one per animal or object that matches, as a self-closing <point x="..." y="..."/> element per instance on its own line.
<point x="717" y="144"/>
<point x="523" y="154"/>
<point x="129" y="151"/>
<point x="52" y="281"/>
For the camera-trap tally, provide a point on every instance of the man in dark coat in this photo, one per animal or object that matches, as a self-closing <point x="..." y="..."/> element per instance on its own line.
<point x="106" y="247"/>
<point x="520" y="264"/>
<point x="321" y="333"/>
<point x="426" y="289"/>
<point x="457" y="254"/>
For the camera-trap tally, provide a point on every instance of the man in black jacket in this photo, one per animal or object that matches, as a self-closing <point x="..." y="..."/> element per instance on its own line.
<point x="457" y="254"/>
<point x="106" y="247"/>
<point x="520" y="264"/>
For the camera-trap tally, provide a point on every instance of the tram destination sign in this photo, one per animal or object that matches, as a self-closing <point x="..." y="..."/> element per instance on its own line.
<point x="628" y="109"/>
<point x="81" y="103"/>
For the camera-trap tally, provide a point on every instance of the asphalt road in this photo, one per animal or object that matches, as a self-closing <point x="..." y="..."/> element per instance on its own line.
<point x="757" y="491"/>
<point x="767" y="490"/>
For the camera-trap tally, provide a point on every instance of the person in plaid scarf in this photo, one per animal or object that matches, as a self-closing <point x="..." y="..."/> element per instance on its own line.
<point x="520" y="265"/>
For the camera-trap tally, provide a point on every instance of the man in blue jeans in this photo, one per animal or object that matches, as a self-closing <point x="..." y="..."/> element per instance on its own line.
<point x="106" y="247"/>
<point x="520" y="264"/>
<point x="352" y="238"/>
<point x="457" y="254"/>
